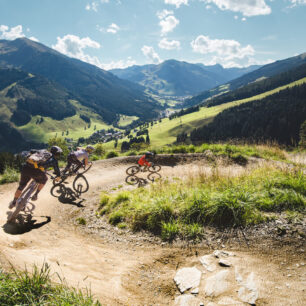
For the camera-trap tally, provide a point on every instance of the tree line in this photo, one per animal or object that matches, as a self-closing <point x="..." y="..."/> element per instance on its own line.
<point x="275" y="118"/>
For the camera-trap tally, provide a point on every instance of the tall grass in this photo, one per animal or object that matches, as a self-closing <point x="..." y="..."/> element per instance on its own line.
<point x="9" y="175"/>
<point x="36" y="288"/>
<point x="182" y="208"/>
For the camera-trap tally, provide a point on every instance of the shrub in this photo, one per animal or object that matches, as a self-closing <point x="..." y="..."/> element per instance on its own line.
<point x="169" y="231"/>
<point x="81" y="221"/>
<point x="111" y="154"/>
<point x="10" y="175"/>
<point x="116" y="217"/>
<point x="99" y="149"/>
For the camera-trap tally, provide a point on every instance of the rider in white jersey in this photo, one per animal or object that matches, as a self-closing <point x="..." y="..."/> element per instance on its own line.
<point x="78" y="157"/>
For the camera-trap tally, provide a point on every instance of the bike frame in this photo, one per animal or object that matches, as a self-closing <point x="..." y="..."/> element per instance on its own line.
<point x="23" y="201"/>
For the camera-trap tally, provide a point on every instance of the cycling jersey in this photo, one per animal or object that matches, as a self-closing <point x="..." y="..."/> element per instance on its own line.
<point x="80" y="154"/>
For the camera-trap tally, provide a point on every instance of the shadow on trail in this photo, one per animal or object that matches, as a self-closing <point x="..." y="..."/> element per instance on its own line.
<point x="25" y="227"/>
<point x="66" y="195"/>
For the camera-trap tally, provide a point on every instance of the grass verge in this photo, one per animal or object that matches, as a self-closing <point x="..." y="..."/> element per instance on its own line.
<point x="36" y="288"/>
<point x="183" y="208"/>
<point x="9" y="175"/>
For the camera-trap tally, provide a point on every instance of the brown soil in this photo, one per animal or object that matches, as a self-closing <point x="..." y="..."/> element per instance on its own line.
<point x="125" y="268"/>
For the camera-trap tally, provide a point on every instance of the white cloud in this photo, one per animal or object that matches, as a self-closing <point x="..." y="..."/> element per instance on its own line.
<point x="246" y="7"/>
<point x="177" y="3"/>
<point x="113" y="28"/>
<point x="297" y="2"/>
<point x="164" y="13"/>
<point x="222" y="51"/>
<point x="92" y="6"/>
<point x="168" y="24"/>
<point x="34" y="38"/>
<point x="11" y="33"/>
<point x="74" y="46"/>
<point x="119" y="64"/>
<point x="150" y="54"/>
<point x="169" y="44"/>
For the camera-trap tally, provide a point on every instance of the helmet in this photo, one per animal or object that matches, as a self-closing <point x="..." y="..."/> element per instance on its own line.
<point x="150" y="155"/>
<point x="55" y="150"/>
<point x="89" y="149"/>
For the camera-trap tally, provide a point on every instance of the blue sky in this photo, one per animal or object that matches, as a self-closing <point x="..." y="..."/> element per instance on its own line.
<point x="120" y="33"/>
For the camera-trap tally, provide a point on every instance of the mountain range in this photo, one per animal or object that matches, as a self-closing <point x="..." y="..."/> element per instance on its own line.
<point x="256" y="76"/>
<point x="93" y="87"/>
<point x="179" y="78"/>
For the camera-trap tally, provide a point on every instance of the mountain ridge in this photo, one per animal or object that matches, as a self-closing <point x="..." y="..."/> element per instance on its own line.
<point x="178" y="78"/>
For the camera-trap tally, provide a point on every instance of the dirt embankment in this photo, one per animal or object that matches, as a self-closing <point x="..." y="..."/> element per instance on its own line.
<point x="125" y="268"/>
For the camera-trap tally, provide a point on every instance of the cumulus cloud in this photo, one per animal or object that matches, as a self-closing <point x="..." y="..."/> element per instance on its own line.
<point x="113" y="28"/>
<point x="297" y="2"/>
<point x="167" y="21"/>
<point x="11" y="33"/>
<point x="34" y="38"/>
<point x="222" y="50"/>
<point x="92" y="6"/>
<point x="74" y="46"/>
<point x="246" y="7"/>
<point x="177" y="3"/>
<point x="169" y="44"/>
<point x="150" y="54"/>
<point x="121" y="64"/>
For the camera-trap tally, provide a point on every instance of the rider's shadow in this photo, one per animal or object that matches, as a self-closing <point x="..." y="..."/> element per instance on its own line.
<point x="70" y="197"/>
<point x="26" y="226"/>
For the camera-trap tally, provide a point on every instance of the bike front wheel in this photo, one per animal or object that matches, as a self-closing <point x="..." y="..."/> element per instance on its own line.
<point x="80" y="184"/>
<point x="58" y="190"/>
<point x="155" y="168"/>
<point x="132" y="170"/>
<point x="154" y="176"/>
<point x="132" y="180"/>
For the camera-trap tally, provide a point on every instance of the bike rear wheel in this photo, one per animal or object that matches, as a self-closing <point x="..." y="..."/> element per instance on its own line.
<point x="132" y="180"/>
<point x="132" y="170"/>
<point x="154" y="168"/>
<point x="154" y="176"/>
<point x="80" y="184"/>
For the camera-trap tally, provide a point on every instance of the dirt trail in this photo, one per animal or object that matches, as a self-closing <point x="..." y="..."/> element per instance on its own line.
<point x="123" y="273"/>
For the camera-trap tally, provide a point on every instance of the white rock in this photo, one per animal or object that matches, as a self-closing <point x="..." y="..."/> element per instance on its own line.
<point x="208" y="262"/>
<point x="187" y="278"/>
<point x="186" y="300"/>
<point x="223" y="253"/>
<point x="217" y="284"/>
<point x="195" y="291"/>
<point x="229" y="301"/>
<point x="249" y="293"/>
<point x="238" y="276"/>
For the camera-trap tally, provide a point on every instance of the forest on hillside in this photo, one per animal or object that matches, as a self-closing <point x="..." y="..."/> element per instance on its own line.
<point x="276" y="118"/>
<point x="259" y="87"/>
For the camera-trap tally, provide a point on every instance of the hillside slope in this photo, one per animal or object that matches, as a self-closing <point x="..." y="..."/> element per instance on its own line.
<point x="275" y="118"/>
<point x="98" y="89"/>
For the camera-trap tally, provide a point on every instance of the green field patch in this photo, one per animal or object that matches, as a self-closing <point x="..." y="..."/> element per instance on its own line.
<point x="126" y="120"/>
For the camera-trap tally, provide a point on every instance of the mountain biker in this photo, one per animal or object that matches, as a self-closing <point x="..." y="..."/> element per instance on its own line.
<point x="36" y="171"/>
<point x="145" y="160"/>
<point x="78" y="157"/>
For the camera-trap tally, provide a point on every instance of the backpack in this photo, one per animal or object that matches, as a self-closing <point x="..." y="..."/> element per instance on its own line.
<point x="39" y="157"/>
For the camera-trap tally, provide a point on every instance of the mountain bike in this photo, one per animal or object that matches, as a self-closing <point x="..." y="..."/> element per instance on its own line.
<point x="79" y="184"/>
<point x="23" y="204"/>
<point x="137" y="168"/>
